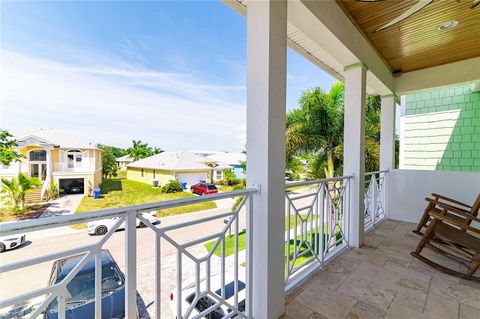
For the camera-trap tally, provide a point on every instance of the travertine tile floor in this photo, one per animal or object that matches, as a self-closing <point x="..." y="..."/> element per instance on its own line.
<point x="382" y="280"/>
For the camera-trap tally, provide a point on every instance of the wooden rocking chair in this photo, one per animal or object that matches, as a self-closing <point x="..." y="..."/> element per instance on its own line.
<point x="454" y="238"/>
<point x="434" y="205"/>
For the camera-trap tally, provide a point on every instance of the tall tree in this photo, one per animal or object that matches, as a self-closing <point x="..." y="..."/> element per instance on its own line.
<point x="8" y="154"/>
<point x="317" y="127"/>
<point x="139" y="150"/>
<point x="116" y="151"/>
<point x="109" y="164"/>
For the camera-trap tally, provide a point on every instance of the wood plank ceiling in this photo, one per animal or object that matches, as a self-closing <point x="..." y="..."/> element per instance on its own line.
<point x="415" y="43"/>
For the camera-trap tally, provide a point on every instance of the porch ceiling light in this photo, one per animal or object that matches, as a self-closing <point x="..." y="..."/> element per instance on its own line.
<point x="447" y="25"/>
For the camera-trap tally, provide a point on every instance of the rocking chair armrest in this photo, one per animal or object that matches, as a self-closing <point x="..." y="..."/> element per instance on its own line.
<point x="454" y="222"/>
<point x="447" y="206"/>
<point x="456" y="210"/>
<point x="451" y="200"/>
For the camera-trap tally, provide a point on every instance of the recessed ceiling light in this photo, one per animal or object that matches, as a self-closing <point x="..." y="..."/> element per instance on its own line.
<point x="448" y="25"/>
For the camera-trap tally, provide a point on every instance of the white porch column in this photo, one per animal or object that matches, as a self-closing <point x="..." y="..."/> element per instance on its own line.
<point x="266" y="108"/>
<point x="354" y="148"/>
<point x="387" y="133"/>
<point x="49" y="164"/>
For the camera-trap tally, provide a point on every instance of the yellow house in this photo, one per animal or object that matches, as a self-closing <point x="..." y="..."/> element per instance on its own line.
<point x="59" y="157"/>
<point x="186" y="167"/>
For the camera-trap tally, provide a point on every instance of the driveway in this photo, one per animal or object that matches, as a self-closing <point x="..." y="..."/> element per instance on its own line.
<point x="64" y="205"/>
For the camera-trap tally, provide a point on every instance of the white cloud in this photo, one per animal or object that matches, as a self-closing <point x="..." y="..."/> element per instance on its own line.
<point x="114" y="104"/>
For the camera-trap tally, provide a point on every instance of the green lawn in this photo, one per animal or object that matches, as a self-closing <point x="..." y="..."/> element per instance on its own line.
<point x="225" y="188"/>
<point x="230" y="245"/>
<point x="230" y="248"/>
<point x="120" y="192"/>
<point x="230" y="240"/>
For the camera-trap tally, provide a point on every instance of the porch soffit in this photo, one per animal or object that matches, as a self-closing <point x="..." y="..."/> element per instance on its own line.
<point x="309" y="37"/>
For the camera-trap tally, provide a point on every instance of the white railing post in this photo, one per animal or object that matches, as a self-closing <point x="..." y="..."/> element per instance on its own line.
<point x="384" y="195"/>
<point x="158" y="276"/>
<point x="249" y="257"/>
<point x="98" y="284"/>
<point x="373" y="199"/>
<point x="130" y="265"/>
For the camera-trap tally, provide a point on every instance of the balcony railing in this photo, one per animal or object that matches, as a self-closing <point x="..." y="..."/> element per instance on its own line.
<point x="317" y="215"/>
<point x="70" y="167"/>
<point x="236" y="305"/>
<point x="375" y="198"/>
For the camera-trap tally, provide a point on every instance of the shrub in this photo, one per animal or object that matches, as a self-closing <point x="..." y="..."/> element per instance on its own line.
<point x="52" y="191"/>
<point x="239" y="198"/>
<point x="229" y="179"/>
<point x="242" y="182"/>
<point x="35" y="181"/>
<point x="173" y="186"/>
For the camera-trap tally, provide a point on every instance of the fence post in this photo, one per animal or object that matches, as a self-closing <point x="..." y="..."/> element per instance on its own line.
<point x="131" y="265"/>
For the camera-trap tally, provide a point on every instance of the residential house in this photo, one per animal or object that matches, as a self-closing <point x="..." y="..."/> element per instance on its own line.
<point x="233" y="159"/>
<point x="60" y="157"/>
<point x="123" y="161"/>
<point x="440" y="129"/>
<point x="186" y="167"/>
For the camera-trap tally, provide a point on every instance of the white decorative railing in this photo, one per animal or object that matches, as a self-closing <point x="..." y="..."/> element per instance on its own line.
<point x="375" y="197"/>
<point x="202" y="288"/>
<point x="73" y="167"/>
<point x="45" y="186"/>
<point x="316" y="225"/>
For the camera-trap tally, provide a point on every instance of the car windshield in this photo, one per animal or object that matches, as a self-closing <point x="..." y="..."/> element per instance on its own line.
<point x="82" y="287"/>
<point x="212" y="187"/>
<point x="230" y="289"/>
<point x="205" y="303"/>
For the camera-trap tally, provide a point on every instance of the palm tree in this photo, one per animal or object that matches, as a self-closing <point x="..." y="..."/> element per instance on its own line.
<point x="156" y="150"/>
<point x="15" y="189"/>
<point x="139" y="150"/>
<point x="317" y="127"/>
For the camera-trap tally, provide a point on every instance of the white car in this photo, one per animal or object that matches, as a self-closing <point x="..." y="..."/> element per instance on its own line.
<point x="188" y="296"/>
<point x="101" y="227"/>
<point x="10" y="242"/>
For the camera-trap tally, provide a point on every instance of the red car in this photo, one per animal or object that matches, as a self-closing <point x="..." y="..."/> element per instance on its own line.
<point x="203" y="189"/>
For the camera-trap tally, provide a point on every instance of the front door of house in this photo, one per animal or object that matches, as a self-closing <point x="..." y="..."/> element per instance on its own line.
<point x="38" y="170"/>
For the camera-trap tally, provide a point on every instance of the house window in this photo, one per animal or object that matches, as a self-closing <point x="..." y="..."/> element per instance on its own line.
<point x="143" y="172"/>
<point x="74" y="158"/>
<point x="153" y="174"/>
<point x="219" y="175"/>
<point x="38" y="155"/>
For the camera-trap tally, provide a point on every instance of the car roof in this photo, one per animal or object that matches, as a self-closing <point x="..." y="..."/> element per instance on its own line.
<point x="65" y="265"/>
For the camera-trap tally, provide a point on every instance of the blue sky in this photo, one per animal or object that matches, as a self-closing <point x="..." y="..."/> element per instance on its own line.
<point x="169" y="73"/>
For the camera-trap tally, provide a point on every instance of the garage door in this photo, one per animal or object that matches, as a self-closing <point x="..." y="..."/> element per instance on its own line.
<point x="72" y="185"/>
<point x="192" y="178"/>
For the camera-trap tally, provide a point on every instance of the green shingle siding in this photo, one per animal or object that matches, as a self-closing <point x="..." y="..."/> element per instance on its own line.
<point x="442" y="130"/>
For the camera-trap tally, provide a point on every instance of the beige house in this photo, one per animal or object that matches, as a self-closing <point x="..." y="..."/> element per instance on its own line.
<point x="186" y="167"/>
<point x="123" y="161"/>
<point x="59" y="157"/>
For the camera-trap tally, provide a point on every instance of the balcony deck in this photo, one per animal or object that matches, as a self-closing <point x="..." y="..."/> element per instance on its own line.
<point x="382" y="280"/>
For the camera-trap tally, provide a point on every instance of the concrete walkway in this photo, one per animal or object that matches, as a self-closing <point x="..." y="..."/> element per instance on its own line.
<point x="64" y="205"/>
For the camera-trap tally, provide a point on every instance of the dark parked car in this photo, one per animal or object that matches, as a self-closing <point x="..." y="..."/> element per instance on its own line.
<point x="203" y="189"/>
<point x="80" y="301"/>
